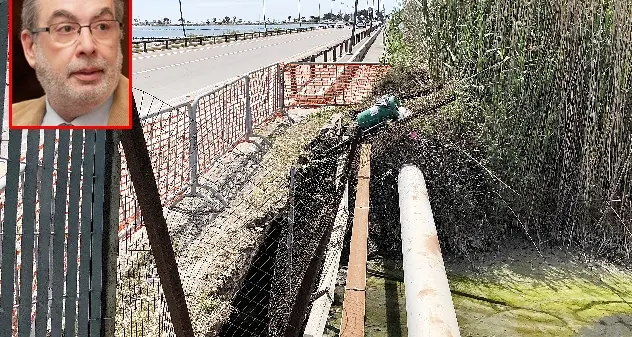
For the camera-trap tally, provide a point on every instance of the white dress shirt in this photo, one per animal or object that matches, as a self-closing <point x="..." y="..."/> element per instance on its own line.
<point x="98" y="116"/>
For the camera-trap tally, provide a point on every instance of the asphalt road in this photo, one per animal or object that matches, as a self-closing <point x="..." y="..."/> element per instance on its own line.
<point x="179" y="75"/>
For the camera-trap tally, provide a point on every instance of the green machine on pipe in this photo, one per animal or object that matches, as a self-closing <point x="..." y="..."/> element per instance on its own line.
<point x="386" y="107"/>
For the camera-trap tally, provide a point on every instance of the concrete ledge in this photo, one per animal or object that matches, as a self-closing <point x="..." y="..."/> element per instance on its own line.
<point x="359" y="55"/>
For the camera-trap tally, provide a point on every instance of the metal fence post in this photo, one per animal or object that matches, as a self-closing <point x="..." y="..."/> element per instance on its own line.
<point x="281" y="84"/>
<point x="146" y="188"/>
<point x="193" y="145"/>
<point x="248" y="116"/>
<point x="111" y="221"/>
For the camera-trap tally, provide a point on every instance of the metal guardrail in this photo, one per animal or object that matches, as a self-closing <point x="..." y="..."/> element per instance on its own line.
<point x="343" y="48"/>
<point x="215" y="38"/>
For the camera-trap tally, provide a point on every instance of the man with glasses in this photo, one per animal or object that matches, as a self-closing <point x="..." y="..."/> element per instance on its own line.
<point x="75" y="48"/>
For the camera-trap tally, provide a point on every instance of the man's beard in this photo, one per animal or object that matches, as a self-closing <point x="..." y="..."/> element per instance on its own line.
<point x="77" y="101"/>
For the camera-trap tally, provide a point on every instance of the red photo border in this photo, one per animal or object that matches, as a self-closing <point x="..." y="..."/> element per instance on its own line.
<point x="128" y="25"/>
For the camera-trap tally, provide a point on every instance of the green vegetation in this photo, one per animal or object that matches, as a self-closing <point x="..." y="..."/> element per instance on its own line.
<point x="555" y="300"/>
<point x="543" y="104"/>
<point x="532" y="141"/>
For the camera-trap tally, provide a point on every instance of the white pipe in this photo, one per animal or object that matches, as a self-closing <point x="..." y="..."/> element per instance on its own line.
<point x="429" y="308"/>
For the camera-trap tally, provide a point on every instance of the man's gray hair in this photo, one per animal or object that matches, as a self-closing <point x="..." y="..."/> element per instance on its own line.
<point x="29" y="13"/>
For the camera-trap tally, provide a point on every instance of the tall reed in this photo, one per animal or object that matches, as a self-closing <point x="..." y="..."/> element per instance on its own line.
<point x="554" y="86"/>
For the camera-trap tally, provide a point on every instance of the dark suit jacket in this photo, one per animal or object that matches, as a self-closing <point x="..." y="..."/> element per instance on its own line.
<point x="31" y="112"/>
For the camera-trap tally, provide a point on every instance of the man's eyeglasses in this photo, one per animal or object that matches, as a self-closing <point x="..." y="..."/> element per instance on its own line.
<point x="66" y="33"/>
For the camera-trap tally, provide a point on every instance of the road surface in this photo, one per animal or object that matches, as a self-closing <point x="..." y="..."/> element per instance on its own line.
<point x="179" y="75"/>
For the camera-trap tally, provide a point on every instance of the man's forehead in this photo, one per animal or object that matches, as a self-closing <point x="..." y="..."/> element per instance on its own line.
<point x="81" y="9"/>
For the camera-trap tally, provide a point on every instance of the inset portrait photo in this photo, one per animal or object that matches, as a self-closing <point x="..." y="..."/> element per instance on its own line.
<point x="70" y="64"/>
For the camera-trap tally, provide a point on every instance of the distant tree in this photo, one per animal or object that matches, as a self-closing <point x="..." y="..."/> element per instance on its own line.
<point x="166" y="21"/>
<point x="234" y="19"/>
<point x="240" y="21"/>
<point x="181" y="20"/>
<point x="328" y="16"/>
<point x="136" y="21"/>
<point x="214" y="20"/>
<point x="289" y="18"/>
<point x="146" y="22"/>
<point x="208" y="22"/>
<point x="226" y="20"/>
<point x="188" y="21"/>
<point x="347" y="17"/>
<point x="313" y="18"/>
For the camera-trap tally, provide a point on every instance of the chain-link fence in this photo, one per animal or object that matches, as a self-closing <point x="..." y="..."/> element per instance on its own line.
<point x="225" y="188"/>
<point x="230" y="233"/>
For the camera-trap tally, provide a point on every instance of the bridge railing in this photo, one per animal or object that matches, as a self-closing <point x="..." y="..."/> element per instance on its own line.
<point x="141" y="46"/>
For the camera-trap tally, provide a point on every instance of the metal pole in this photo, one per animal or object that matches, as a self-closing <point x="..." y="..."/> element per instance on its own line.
<point x="248" y="117"/>
<point x="142" y="175"/>
<point x="182" y="19"/>
<point x="299" y="14"/>
<point x="193" y="146"/>
<point x="371" y="15"/>
<point x="111" y="204"/>
<point x="355" y="14"/>
<point x="265" y="24"/>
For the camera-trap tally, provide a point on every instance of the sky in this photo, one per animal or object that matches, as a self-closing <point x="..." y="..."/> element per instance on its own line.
<point x="248" y="10"/>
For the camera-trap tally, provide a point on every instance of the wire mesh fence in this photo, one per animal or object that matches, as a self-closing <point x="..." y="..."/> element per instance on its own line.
<point x="219" y="249"/>
<point x="230" y="238"/>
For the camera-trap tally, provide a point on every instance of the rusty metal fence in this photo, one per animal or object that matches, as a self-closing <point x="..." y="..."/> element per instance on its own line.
<point x="185" y="142"/>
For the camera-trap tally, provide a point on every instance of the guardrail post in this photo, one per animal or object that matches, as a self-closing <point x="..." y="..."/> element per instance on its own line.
<point x="186" y="42"/>
<point x="166" y="44"/>
<point x="248" y="116"/>
<point x="325" y="55"/>
<point x="145" y="46"/>
<point x="335" y="53"/>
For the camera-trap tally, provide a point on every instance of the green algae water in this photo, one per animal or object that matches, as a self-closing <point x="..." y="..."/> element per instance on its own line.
<point x="561" y="305"/>
<point x="516" y="295"/>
